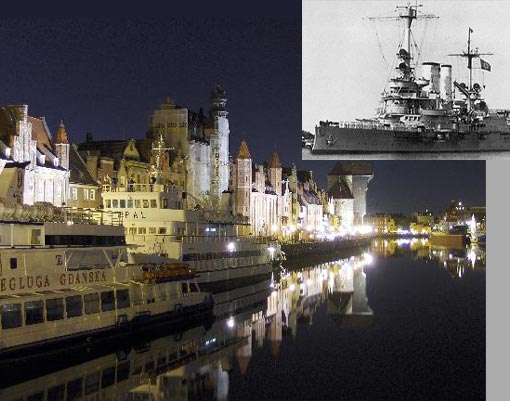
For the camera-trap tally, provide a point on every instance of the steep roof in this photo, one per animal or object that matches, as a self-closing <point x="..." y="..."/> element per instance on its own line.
<point x="352" y="168"/>
<point x="61" y="136"/>
<point x="243" y="153"/>
<point x="340" y="190"/>
<point x="79" y="174"/>
<point x="275" y="161"/>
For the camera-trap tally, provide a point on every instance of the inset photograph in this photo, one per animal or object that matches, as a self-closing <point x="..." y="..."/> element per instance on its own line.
<point x="390" y="80"/>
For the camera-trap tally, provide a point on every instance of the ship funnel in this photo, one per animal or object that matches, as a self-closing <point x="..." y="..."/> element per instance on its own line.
<point x="430" y="72"/>
<point x="446" y="82"/>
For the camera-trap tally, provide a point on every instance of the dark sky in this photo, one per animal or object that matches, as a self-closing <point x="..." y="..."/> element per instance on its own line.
<point x="106" y="76"/>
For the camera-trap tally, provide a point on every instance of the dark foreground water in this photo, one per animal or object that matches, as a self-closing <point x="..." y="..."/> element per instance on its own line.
<point x="404" y="321"/>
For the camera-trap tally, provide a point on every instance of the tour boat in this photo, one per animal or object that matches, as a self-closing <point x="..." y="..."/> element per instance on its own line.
<point x="65" y="279"/>
<point x="157" y="220"/>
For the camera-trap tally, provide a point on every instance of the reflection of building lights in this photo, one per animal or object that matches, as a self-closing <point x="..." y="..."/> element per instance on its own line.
<point x="274" y="228"/>
<point x="271" y="250"/>
<point x="231" y="322"/>
<point x="292" y="287"/>
<point x="231" y="247"/>
<point x="369" y="259"/>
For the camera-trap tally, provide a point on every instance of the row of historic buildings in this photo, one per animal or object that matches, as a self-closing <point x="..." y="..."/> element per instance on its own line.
<point x="188" y="151"/>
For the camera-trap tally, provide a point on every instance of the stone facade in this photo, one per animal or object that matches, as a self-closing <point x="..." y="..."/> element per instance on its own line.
<point x="35" y="168"/>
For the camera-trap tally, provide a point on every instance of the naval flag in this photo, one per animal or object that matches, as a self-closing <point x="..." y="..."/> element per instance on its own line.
<point x="470" y="30"/>
<point x="484" y="65"/>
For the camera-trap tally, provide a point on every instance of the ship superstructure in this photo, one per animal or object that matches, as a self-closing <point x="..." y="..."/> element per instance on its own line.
<point x="159" y="221"/>
<point x="419" y="110"/>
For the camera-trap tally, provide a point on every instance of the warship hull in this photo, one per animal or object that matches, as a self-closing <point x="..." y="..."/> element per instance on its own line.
<point x="359" y="140"/>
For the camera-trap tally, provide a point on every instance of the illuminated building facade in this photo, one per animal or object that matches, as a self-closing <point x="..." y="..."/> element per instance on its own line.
<point x="348" y="185"/>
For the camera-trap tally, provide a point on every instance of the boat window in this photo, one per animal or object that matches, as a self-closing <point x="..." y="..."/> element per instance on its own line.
<point x="193" y="287"/>
<point x="132" y="230"/>
<point x="123" y="371"/>
<point x="34" y="312"/>
<point x="123" y="299"/>
<point x="145" y="203"/>
<point x="138" y="203"/>
<point x="162" y="230"/>
<point x="36" y="397"/>
<point x="154" y="204"/>
<point x="74" y="389"/>
<point x="14" y="263"/>
<point x="184" y="287"/>
<point x="122" y="203"/>
<point x="115" y="203"/>
<point x="165" y="203"/>
<point x="130" y="203"/>
<point x="11" y="316"/>
<point x="107" y="301"/>
<point x="92" y="383"/>
<point x="91" y="303"/>
<point x="108" y="203"/>
<point x="36" y="237"/>
<point x="152" y="230"/>
<point x="142" y="230"/>
<point x="74" y="306"/>
<point x="56" y="393"/>
<point x="54" y="309"/>
<point x="108" y="377"/>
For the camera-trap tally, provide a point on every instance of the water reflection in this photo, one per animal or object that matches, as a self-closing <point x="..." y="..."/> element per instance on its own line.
<point x="197" y="364"/>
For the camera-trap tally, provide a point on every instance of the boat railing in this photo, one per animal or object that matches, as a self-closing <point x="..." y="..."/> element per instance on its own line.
<point x="374" y="126"/>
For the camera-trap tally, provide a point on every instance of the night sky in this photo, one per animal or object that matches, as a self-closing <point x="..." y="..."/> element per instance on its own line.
<point x="106" y="77"/>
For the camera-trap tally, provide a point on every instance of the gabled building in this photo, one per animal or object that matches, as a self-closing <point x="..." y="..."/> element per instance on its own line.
<point x="35" y="166"/>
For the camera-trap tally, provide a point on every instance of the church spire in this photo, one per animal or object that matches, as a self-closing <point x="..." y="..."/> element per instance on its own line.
<point x="61" y="137"/>
<point x="243" y="153"/>
<point x="275" y="161"/>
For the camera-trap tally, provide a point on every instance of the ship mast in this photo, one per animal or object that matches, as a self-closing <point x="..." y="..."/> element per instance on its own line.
<point x="408" y="13"/>
<point x="470" y="55"/>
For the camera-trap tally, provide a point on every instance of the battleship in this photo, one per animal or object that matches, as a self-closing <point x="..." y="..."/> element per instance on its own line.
<point x="422" y="109"/>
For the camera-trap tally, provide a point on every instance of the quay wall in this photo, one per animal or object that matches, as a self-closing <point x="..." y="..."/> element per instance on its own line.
<point x="305" y="254"/>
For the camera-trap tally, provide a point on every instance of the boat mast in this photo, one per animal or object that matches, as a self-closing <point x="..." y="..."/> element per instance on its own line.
<point x="409" y="13"/>
<point x="470" y="55"/>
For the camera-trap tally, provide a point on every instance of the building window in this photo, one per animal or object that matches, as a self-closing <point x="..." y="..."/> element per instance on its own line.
<point x="92" y="194"/>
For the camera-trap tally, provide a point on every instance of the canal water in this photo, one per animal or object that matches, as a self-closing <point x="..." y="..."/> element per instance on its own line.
<point x="402" y="321"/>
